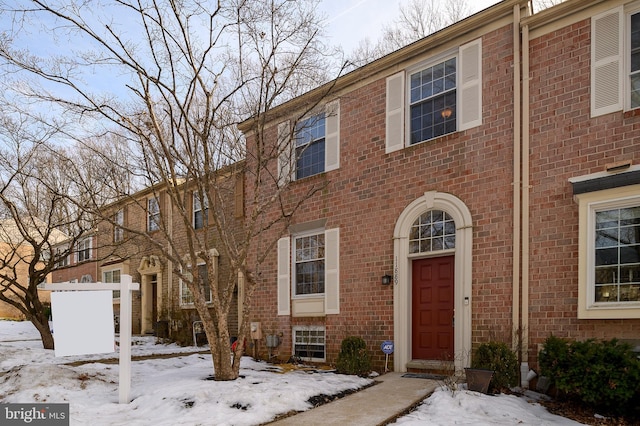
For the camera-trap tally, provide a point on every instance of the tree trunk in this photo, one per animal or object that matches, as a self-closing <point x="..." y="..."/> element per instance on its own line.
<point x="45" y="333"/>
<point x="221" y="353"/>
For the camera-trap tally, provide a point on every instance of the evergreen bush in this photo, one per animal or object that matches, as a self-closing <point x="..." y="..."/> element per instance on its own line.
<point x="354" y="358"/>
<point x="605" y="374"/>
<point x="497" y="356"/>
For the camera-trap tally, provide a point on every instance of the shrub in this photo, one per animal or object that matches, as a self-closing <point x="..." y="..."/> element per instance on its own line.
<point x="497" y="356"/>
<point x="604" y="374"/>
<point x="354" y="357"/>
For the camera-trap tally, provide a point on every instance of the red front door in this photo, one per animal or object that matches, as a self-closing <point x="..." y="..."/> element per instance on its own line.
<point x="432" y="308"/>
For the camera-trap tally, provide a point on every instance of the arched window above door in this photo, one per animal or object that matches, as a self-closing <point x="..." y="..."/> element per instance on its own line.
<point x="434" y="230"/>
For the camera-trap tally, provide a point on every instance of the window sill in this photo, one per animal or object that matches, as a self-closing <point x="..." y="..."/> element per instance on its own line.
<point x="610" y="310"/>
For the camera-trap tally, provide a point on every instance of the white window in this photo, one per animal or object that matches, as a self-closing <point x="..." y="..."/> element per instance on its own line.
<point x="61" y="258"/>
<point x="309" y="273"/>
<point x="308" y="261"/>
<point x="112" y="276"/>
<point x="441" y="96"/>
<point x="309" y="146"/>
<point x="312" y="148"/>
<point x="309" y="343"/>
<point x="617" y="253"/>
<point x="432" y="101"/>
<point x="615" y="60"/>
<point x="186" y="297"/>
<point x="153" y="214"/>
<point x="609" y="255"/>
<point x="83" y="252"/>
<point x="200" y="211"/>
<point x="118" y="230"/>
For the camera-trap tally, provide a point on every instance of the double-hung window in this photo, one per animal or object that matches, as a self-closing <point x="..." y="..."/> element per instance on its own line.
<point x="62" y="259"/>
<point x="309" y="272"/>
<point x="310" y="147"/>
<point x="309" y="264"/>
<point x="153" y="214"/>
<point x="83" y="252"/>
<point x="435" y="98"/>
<point x="112" y="276"/>
<point x="200" y="211"/>
<point x="186" y="296"/>
<point x="432" y="102"/>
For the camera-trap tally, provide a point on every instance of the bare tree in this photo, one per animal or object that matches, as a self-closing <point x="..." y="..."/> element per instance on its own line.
<point x="190" y="71"/>
<point x="417" y="19"/>
<point x="37" y="215"/>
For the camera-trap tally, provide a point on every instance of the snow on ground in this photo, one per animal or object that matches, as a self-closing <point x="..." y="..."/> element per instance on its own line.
<point x="175" y="391"/>
<point x="462" y="407"/>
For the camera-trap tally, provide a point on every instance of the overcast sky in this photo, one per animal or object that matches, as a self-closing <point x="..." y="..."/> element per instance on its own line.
<point x="353" y="20"/>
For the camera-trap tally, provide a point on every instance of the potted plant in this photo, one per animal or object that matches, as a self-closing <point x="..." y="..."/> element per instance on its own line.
<point x="494" y="366"/>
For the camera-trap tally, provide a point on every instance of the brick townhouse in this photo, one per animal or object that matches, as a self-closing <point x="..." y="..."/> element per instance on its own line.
<point x="121" y="245"/>
<point x="482" y="183"/>
<point x="80" y="265"/>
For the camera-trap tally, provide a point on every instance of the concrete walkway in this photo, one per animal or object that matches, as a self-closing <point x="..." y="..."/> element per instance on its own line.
<point x="373" y="406"/>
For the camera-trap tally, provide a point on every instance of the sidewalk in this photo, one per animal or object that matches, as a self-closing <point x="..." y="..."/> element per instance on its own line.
<point x="370" y="407"/>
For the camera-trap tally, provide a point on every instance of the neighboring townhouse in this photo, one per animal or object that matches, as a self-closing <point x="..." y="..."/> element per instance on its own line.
<point x="581" y="195"/>
<point x="163" y="306"/>
<point x="16" y="255"/>
<point x="479" y="184"/>
<point x="81" y="265"/>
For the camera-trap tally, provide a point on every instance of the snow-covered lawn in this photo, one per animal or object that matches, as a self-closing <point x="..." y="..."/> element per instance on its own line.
<point x="175" y="391"/>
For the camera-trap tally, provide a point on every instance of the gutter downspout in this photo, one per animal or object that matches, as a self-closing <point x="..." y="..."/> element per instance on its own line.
<point x="526" y="187"/>
<point x="516" y="174"/>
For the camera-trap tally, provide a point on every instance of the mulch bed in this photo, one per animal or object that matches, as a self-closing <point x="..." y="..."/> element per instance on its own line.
<point x="586" y="415"/>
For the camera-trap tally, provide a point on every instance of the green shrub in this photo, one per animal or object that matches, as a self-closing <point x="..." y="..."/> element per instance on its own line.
<point x="604" y="374"/>
<point x="497" y="356"/>
<point x="354" y="357"/>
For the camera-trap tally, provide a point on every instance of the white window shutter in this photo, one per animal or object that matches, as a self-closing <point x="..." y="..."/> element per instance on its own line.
<point x="332" y="136"/>
<point x="470" y="85"/>
<point x="394" y="137"/>
<point x="332" y="271"/>
<point x="285" y="153"/>
<point x="606" y="62"/>
<point x="284" y="272"/>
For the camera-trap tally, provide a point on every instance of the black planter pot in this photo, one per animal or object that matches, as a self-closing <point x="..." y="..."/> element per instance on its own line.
<point x="478" y="379"/>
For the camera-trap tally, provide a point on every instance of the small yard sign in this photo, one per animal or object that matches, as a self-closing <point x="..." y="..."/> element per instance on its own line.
<point x="387" y="348"/>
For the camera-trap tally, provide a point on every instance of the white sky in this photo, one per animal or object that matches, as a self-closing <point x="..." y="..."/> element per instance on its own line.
<point x="353" y="20"/>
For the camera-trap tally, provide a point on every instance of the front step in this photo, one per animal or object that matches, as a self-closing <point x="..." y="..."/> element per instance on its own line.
<point x="445" y="368"/>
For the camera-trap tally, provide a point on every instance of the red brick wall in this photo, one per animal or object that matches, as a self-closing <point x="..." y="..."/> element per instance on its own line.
<point x="566" y="142"/>
<point x="134" y="247"/>
<point x="365" y="197"/>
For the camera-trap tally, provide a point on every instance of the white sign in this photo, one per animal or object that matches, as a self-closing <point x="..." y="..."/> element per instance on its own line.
<point x="125" y="287"/>
<point x="82" y="322"/>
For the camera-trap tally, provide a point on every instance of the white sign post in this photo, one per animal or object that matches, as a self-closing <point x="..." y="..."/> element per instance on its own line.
<point x="125" y="286"/>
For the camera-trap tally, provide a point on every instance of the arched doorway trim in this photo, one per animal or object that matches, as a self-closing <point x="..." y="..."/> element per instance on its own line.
<point x="432" y="200"/>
